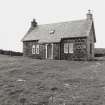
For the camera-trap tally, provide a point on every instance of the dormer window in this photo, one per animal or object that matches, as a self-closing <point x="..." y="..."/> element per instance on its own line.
<point x="51" y="31"/>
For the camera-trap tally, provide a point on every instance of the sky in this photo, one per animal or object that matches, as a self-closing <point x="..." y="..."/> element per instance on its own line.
<point x="16" y="15"/>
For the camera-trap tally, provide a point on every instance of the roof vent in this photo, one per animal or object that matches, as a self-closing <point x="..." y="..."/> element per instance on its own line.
<point x="51" y="31"/>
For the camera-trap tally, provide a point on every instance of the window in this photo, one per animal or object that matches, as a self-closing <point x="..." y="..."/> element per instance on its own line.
<point x="65" y="48"/>
<point x="51" y="31"/>
<point x="35" y="49"/>
<point x="68" y="48"/>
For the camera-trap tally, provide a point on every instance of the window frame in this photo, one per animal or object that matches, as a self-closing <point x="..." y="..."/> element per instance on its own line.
<point x="37" y="49"/>
<point x="68" y="48"/>
<point x="33" y="49"/>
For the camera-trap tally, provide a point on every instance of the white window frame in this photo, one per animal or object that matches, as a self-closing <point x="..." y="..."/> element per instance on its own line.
<point x="33" y="49"/>
<point x="37" y="49"/>
<point x="68" y="48"/>
<point x="71" y="48"/>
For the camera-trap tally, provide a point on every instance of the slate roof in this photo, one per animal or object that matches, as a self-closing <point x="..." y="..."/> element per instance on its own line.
<point x="55" y="32"/>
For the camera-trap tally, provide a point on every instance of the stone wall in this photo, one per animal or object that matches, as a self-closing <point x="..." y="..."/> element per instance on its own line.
<point x="90" y="41"/>
<point x="27" y="50"/>
<point x="79" y="49"/>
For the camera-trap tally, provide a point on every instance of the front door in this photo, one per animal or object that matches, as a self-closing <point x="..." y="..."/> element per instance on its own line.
<point x="49" y="51"/>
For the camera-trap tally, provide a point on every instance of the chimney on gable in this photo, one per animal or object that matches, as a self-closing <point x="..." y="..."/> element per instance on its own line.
<point x="33" y="23"/>
<point x="89" y="15"/>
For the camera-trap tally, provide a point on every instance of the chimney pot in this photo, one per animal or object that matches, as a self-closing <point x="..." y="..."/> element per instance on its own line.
<point x="89" y="15"/>
<point x="33" y="23"/>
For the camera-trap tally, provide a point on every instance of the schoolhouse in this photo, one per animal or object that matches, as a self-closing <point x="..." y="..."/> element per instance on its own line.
<point x="71" y="40"/>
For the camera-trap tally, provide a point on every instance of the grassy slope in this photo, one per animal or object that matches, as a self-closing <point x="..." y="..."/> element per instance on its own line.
<point x="37" y="81"/>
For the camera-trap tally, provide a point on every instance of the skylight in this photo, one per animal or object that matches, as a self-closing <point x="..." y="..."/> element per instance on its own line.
<point x="51" y="31"/>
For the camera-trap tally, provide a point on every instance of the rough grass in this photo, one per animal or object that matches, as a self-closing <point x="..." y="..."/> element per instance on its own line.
<point x="25" y="81"/>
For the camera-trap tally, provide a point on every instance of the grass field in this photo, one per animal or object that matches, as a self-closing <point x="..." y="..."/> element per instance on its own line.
<point x="25" y="81"/>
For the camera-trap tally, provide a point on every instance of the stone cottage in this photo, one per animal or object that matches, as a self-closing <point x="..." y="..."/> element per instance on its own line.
<point x="72" y="40"/>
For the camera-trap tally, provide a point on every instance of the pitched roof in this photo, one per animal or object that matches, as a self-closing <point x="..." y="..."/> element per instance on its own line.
<point x="56" y="31"/>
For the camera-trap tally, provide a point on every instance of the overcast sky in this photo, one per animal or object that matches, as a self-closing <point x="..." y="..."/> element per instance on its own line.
<point x="15" y="17"/>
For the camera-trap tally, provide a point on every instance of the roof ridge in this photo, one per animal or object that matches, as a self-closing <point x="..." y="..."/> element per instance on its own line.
<point x="62" y="22"/>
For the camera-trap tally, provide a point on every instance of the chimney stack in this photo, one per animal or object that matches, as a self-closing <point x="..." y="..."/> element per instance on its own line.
<point x="89" y="15"/>
<point x="33" y="23"/>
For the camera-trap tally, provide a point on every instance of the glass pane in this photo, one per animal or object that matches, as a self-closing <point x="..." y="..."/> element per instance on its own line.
<point x="66" y="48"/>
<point x="33" y="49"/>
<point x="70" y="47"/>
<point x="37" y="49"/>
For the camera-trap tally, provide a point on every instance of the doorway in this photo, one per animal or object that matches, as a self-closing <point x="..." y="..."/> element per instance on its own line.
<point x="49" y="51"/>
